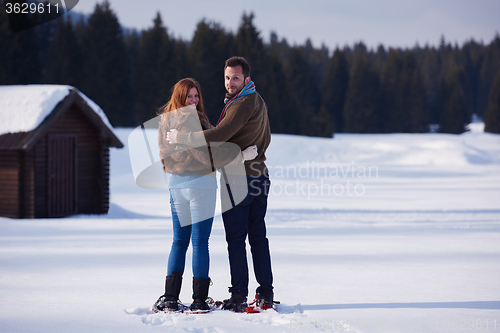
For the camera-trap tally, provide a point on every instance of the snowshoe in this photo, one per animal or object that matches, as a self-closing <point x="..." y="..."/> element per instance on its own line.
<point x="211" y="305"/>
<point x="214" y="304"/>
<point x="163" y="304"/>
<point x="261" y="304"/>
<point x="236" y="303"/>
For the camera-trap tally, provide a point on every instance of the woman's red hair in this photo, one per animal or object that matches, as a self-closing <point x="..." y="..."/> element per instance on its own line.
<point x="179" y="98"/>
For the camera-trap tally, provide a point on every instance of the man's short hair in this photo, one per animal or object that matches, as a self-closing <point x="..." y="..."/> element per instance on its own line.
<point x="238" y="61"/>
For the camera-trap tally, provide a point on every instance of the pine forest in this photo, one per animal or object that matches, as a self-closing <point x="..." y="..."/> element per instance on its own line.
<point x="309" y="91"/>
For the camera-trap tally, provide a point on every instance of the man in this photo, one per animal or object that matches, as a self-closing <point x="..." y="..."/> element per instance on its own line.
<point x="244" y="121"/>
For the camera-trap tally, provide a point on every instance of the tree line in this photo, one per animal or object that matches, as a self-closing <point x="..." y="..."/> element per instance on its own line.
<point x="309" y="91"/>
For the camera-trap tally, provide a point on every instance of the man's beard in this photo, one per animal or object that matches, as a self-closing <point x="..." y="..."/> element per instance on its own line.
<point x="231" y="95"/>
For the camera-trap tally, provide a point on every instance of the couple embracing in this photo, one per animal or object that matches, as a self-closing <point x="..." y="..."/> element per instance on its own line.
<point x="189" y="152"/>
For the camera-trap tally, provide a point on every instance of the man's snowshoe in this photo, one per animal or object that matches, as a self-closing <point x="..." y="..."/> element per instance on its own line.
<point x="261" y="303"/>
<point x="237" y="303"/>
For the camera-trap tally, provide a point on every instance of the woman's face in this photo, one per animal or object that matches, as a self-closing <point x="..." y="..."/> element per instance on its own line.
<point x="193" y="98"/>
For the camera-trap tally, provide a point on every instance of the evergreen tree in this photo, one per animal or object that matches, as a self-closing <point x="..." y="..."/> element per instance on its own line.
<point x="132" y="40"/>
<point x="283" y="116"/>
<point x="249" y="45"/>
<point x="152" y="72"/>
<point x="431" y="68"/>
<point x="458" y="59"/>
<point x="64" y="60"/>
<point x="404" y="106"/>
<point x="380" y="58"/>
<point x="106" y="78"/>
<point x="207" y="53"/>
<point x="269" y="74"/>
<point x="393" y="93"/>
<point x="417" y="114"/>
<point x="335" y="89"/>
<point x="454" y="115"/>
<point x="473" y="55"/>
<point x="182" y="66"/>
<point x="19" y="55"/>
<point x="489" y="68"/>
<point x="306" y="97"/>
<point x="45" y="34"/>
<point x="283" y="113"/>
<point x="362" y="106"/>
<point x="129" y="70"/>
<point x="280" y="48"/>
<point x="440" y="63"/>
<point x="318" y="61"/>
<point x="492" y="115"/>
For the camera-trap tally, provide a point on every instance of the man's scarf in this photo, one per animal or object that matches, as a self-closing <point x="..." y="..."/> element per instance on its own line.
<point x="247" y="90"/>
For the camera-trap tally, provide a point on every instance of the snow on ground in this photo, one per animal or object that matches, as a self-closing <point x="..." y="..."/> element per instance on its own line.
<point x="368" y="233"/>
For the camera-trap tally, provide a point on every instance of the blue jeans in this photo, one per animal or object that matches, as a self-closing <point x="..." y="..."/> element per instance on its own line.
<point x="247" y="218"/>
<point x="192" y="217"/>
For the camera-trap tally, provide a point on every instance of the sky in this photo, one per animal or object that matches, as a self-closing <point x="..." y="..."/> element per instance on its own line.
<point x="393" y="23"/>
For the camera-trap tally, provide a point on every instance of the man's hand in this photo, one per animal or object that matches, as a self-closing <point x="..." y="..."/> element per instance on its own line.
<point x="172" y="136"/>
<point x="250" y="153"/>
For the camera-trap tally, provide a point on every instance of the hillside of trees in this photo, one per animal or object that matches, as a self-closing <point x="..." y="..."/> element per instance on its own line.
<point x="309" y="91"/>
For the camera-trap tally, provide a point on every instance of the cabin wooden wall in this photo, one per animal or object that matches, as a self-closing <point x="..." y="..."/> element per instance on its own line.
<point x="39" y="198"/>
<point x="26" y="185"/>
<point x="9" y="184"/>
<point x="105" y="180"/>
<point x="24" y="174"/>
<point x="91" y="184"/>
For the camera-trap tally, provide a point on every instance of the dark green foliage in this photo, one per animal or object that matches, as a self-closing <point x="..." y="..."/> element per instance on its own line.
<point x="472" y="58"/>
<point x="393" y="90"/>
<point x="430" y="67"/>
<point x="283" y="115"/>
<point x="106" y="76"/>
<point x="306" y="97"/>
<point x="271" y="77"/>
<point x="19" y="59"/>
<point x="280" y="48"/>
<point x="417" y="108"/>
<point x="249" y="44"/>
<point x="335" y="89"/>
<point x="318" y="61"/>
<point x="64" y="57"/>
<point x="492" y="115"/>
<point x="152" y="77"/>
<point x="490" y="66"/>
<point x="308" y="90"/>
<point x="454" y="115"/>
<point x="362" y="106"/>
<point x="404" y="106"/>
<point x="207" y="53"/>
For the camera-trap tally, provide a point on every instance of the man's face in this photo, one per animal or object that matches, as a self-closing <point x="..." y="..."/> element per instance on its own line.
<point x="235" y="80"/>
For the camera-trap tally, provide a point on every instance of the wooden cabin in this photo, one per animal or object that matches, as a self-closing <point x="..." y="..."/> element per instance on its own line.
<point x="61" y="167"/>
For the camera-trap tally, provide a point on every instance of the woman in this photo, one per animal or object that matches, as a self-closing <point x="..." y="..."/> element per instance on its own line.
<point x="192" y="189"/>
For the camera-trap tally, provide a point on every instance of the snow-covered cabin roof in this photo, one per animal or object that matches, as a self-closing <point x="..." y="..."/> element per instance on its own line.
<point x="23" y="108"/>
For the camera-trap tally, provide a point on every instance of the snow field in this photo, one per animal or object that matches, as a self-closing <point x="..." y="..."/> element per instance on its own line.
<point x="417" y="251"/>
